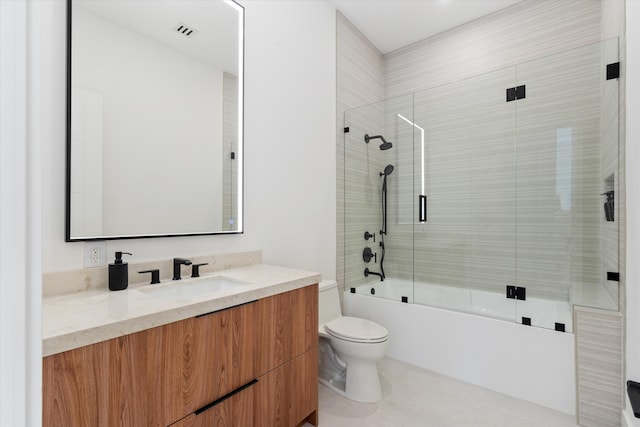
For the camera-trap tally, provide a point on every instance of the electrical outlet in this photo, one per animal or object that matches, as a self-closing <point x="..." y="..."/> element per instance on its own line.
<point x="95" y="254"/>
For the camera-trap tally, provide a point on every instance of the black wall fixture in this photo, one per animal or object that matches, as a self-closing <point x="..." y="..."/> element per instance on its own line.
<point x="609" y="205"/>
<point x="385" y="144"/>
<point x="367" y="254"/>
<point x="422" y="208"/>
<point x="516" y="292"/>
<point x="515" y="93"/>
<point x="633" y="390"/>
<point x="613" y="71"/>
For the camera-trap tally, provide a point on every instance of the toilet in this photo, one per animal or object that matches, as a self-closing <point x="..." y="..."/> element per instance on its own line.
<point x="349" y="349"/>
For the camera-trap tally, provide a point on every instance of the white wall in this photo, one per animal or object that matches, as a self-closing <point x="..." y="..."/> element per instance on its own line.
<point x="21" y="35"/>
<point x="290" y="182"/>
<point x="289" y="145"/>
<point x="633" y="191"/>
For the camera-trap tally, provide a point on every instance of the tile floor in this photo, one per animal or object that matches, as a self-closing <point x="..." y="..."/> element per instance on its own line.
<point x="417" y="397"/>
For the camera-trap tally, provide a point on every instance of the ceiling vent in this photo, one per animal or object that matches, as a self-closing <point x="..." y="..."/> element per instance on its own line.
<point x="185" y="30"/>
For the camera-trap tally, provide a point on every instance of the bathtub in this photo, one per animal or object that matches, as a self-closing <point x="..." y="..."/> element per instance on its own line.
<point x="476" y="338"/>
<point x="542" y="313"/>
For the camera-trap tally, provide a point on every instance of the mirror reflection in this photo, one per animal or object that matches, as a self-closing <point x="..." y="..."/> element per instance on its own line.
<point x="155" y="118"/>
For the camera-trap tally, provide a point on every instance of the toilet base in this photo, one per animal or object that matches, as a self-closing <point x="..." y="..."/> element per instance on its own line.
<point x="362" y="383"/>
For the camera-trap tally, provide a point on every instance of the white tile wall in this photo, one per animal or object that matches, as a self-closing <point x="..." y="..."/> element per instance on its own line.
<point x="230" y="144"/>
<point x="359" y="82"/>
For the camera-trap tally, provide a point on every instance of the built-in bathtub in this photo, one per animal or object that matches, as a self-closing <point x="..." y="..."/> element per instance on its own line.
<point x="477" y="338"/>
<point x="540" y="312"/>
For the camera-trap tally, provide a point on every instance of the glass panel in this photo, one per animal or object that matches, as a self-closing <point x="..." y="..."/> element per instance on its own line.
<point x="518" y="193"/>
<point x="374" y="172"/>
<point x="567" y="148"/>
<point x="465" y="250"/>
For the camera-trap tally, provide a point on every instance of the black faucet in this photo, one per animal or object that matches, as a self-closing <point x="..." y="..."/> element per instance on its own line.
<point x="367" y="272"/>
<point x="195" y="269"/>
<point x="177" y="262"/>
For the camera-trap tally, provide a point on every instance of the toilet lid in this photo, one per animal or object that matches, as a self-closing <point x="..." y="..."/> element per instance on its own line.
<point x="355" y="329"/>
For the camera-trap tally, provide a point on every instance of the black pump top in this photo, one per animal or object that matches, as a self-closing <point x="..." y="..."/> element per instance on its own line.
<point x="119" y="257"/>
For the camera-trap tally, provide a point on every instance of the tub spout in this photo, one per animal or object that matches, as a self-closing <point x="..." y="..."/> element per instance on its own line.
<point x="367" y="272"/>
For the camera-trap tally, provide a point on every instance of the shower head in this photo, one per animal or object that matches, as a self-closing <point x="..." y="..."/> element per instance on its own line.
<point x="387" y="170"/>
<point x="384" y="146"/>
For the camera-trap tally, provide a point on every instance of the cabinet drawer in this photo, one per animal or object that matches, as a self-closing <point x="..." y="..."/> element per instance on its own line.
<point x="234" y="411"/>
<point x="288" y="395"/>
<point x="153" y="377"/>
<point x="221" y="358"/>
<point x="287" y="326"/>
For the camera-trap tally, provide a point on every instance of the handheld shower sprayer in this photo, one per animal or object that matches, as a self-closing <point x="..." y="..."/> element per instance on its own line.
<point x="388" y="170"/>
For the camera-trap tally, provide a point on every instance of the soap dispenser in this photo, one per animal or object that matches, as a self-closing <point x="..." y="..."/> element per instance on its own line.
<point x="119" y="273"/>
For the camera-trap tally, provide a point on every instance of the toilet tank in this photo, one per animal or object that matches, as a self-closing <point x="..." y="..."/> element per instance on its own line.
<point x="328" y="302"/>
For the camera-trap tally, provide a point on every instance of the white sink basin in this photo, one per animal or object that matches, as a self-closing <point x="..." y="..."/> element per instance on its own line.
<point x="198" y="288"/>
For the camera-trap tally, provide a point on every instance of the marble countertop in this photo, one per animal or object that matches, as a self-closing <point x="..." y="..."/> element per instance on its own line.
<point x="77" y="319"/>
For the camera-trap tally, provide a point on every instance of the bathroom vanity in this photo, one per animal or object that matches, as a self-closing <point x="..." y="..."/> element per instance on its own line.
<point x="239" y="356"/>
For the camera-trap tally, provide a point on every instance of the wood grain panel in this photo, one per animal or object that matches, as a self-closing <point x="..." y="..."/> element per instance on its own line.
<point x="236" y="411"/>
<point x="304" y="320"/>
<point x="166" y="346"/>
<point x="304" y="388"/>
<point x="271" y="405"/>
<point x="287" y="326"/>
<point x="75" y="387"/>
<point x="288" y="395"/>
<point x="127" y="380"/>
<point x="189" y="421"/>
<point x="263" y="359"/>
<point x="162" y="375"/>
<point x="223" y="351"/>
<point x="273" y="332"/>
<point x="244" y="341"/>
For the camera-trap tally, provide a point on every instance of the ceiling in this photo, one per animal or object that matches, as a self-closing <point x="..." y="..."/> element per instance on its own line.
<point x="392" y="24"/>
<point x="216" y="24"/>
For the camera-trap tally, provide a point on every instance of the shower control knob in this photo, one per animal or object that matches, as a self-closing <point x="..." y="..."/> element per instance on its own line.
<point x="368" y="235"/>
<point x="367" y="254"/>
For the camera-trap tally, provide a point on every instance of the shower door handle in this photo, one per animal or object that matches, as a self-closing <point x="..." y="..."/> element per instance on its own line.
<point x="422" y="208"/>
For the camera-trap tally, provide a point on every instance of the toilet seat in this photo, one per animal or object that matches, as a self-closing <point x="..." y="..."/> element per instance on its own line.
<point x="356" y="330"/>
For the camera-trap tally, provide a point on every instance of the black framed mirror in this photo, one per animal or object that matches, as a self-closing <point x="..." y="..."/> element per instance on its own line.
<point x="154" y="118"/>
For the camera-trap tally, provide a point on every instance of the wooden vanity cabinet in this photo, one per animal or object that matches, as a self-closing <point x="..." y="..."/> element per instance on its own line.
<point x="166" y="374"/>
<point x="288" y="395"/>
<point x="287" y="360"/>
<point x="222" y="357"/>
<point x="235" y="411"/>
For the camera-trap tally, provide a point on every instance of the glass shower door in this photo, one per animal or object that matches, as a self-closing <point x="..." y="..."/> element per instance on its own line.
<point x="464" y="156"/>
<point x="566" y="163"/>
<point x="377" y="244"/>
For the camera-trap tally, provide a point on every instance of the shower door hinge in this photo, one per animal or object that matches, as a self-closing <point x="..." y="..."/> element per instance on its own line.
<point x="613" y="71"/>
<point x="515" y="93"/>
<point x="614" y="277"/>
<point x="516" y="292"/>
<point x="346" y="130"/>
